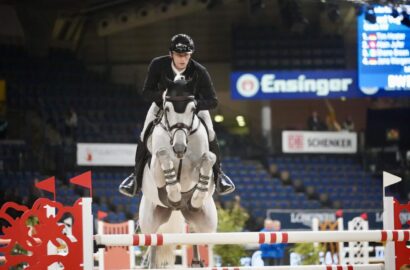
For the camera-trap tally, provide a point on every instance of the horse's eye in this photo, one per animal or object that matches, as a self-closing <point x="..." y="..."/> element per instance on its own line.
<point x="192" y="109"/>
<point x="167" y="109"/>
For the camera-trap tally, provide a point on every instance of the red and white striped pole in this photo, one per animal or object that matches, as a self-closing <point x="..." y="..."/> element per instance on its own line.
<point x="252" y="238"/>
<point x="305" y="267"/>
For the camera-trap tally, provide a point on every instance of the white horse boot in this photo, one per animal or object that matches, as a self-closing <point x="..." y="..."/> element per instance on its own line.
<point x="173" y="187"/>
<point x="205" y="174"/>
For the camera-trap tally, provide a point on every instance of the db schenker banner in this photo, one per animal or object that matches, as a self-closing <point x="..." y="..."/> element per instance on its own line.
<point x="106" y="154"/>
<point x="319" y="142"/>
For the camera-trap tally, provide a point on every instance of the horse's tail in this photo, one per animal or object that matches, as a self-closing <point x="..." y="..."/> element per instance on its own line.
<point x="165" y="255"/>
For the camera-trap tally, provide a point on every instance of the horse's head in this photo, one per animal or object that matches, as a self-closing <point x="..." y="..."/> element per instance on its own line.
<point x="179" y="112"/>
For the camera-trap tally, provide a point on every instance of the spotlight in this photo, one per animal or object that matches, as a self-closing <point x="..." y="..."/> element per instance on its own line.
<point x="123" y="18"/>
<point x="241" y="121"/>
<point x="104" y="23"/>
<point x="406" y="19"/>
<point x="370" y="16"/>
<point x="164" y="8"/>
<point x="219" y="118"/>
<point x="143" y="12"/>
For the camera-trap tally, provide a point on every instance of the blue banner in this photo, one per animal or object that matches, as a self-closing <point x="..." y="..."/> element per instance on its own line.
<point x="304" y="85"/>
<point x="294" y="85"/>
<point x="302" y="219"/>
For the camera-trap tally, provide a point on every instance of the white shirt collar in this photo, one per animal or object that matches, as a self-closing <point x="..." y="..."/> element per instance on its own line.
<point x="178" y="74"/>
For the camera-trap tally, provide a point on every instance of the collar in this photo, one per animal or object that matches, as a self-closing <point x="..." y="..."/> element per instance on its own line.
<point x="178" y="74"/>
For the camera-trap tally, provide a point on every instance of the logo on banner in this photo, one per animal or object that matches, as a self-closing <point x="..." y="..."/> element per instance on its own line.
<point x="295" y="142"/>
<point x="369" y="90"/>
<point x="247" y="85"/>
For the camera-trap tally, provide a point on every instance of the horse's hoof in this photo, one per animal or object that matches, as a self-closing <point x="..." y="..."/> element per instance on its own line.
<point x="197" y="264"/>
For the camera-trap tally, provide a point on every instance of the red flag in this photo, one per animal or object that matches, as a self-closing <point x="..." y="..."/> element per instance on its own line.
<point x="339" y="213"/>
<point x="101" y="214"/>
<point x="48" y="184"/>
<point x="83" y="180"/>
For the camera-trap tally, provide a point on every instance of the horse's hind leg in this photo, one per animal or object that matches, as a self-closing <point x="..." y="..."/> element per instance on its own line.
<point x="173" y="187"/>
<point x="205" y="175"/>
<point x="203" y="221"/>
<point x="151" y="217"/>
<point x="196" y="258"/>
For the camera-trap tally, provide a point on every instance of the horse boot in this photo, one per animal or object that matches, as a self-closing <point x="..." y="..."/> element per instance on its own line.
<point x="131" y="185"/>
<point x="223" y="183"/>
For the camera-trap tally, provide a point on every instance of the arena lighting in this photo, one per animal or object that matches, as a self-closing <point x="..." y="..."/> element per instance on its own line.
<point x="219" y="118"/>
<point x="104" y="23"/>
<point x="370" y="16"/>
<point x="123" y="18"/>
<point x="240" y="120"/>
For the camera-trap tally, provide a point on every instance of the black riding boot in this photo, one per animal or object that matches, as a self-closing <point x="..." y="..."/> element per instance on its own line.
<point x="131" y="185"/>
<point x="224" y="184"/>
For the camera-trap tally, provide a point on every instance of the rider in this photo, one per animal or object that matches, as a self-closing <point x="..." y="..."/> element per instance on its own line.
<point x="177" y="65"/>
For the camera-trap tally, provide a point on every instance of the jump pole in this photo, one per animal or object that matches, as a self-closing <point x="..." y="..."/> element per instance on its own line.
<point x="305" y="267"/>
<point x="252" y="238"/>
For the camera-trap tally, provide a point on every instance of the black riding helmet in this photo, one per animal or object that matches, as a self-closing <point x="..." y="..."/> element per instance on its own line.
<point x="182" y="43"/>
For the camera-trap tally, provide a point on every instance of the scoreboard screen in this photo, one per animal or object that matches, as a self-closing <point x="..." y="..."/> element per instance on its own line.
<point x="384" y="52"/>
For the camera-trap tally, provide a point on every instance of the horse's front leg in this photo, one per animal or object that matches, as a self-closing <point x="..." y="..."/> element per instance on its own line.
<point x="173" y="187"/>
<point x="205" y="176"/>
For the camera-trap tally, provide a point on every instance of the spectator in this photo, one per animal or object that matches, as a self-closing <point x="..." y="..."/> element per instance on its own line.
<point x="272" y="254"/>
<point x="71" y="122"/>
<point x="314" y="123"/>
<point x="3" y="128"/>
<point x="348" y="124"/>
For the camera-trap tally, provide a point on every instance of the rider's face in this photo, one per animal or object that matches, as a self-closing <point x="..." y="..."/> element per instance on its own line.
<point x="180" y="59"/>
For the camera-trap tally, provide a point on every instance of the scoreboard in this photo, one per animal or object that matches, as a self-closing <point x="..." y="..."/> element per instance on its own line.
<point x="384" y="53"/>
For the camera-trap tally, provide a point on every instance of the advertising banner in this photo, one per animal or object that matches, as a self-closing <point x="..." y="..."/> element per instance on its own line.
<point x="106" y="154"/>
<point x="293" y="84"/>
<point x="319" y="142"/>
<point x="302" y="219"/>
<point x="270" y="85"/>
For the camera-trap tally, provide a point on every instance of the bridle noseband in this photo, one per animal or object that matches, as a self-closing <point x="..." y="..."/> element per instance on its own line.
<point x="187" y="129"/>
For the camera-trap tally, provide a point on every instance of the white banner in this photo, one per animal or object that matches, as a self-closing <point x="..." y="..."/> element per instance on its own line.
<point x="106" y="154"/>
<point x="319" y="142"/>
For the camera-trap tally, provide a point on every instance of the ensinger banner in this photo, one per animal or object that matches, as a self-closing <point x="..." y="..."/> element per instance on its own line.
<point x="106" y="154"/>
<point x="306" y="84"/>
<point x="341" y="142"/>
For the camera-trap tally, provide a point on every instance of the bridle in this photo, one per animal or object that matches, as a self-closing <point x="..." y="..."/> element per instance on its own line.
<point x="187" y="129"/>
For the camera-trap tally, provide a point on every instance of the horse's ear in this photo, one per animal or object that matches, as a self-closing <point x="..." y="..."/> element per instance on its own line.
<point x="191" y="83"/>
<point x="167" y="82"/>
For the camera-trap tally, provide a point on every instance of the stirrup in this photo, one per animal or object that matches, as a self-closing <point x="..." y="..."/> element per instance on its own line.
<point x="224" y="184"/>
<point x="129" y="187"/>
